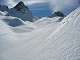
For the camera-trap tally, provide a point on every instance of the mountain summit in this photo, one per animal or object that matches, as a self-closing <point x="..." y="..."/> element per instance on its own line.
<point x="58" y="13"/>
<point x="20" y="6"/>
<point x="21" y="11"/>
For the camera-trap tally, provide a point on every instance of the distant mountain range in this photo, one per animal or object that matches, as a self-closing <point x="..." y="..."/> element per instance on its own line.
<point x="20" y="11"/>
<point x="30" y="13"/>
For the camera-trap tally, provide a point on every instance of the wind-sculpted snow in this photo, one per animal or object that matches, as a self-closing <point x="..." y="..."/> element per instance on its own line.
<point x="52" y="41"/>
<point x="47" y="21"/>
<point x="3" y="13"/>
<point x="12" y="21"/>
<point x="64" y="43"/>
<point x="27" y="27"/>
<point x="6" y="36"/>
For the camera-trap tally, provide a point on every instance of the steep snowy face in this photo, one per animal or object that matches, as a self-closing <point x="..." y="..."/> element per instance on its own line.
<point x="21" y="11"/>
<point x="66" y="39"/>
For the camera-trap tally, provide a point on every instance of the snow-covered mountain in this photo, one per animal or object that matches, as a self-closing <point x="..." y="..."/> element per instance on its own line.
<point x="21" y="11"/>
<point x="44" y="39"/>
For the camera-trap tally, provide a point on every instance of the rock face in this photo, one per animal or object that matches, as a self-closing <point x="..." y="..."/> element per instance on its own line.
<point x="14" y="22"/>
<point x="21" y="11"/>
<point x="4" y="8"/>
<point x="58" y="13"/>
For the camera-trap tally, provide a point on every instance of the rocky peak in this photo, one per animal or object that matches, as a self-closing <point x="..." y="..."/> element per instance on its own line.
<point x="58" y="13"/>
<point x="21" y="11"/>
<point x="20" y="6"/>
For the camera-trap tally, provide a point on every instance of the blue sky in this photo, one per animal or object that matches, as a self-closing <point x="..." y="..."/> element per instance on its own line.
<point x="46" y="7"/>
<point x="40" y="9"/>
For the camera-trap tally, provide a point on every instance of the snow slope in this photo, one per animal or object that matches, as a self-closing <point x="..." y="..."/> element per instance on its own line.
<point x="3" y="13"/>
<point x="27" y="27"/>
<point x="16" y="24"/>
<point x="45" y="21"/>
<point x="64" y="43"/>
<point x="6" y="36"/>
<point x="55" y="41"/>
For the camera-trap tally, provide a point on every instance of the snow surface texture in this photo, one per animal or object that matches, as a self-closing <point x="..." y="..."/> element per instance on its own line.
<point x="53" y="41"/>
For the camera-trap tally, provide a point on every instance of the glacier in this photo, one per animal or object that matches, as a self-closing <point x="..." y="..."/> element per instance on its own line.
<point x="44" y="39"/>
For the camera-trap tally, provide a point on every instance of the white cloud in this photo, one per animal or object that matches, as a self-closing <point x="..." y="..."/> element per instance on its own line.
<point x="12" y="3"/>
<point x="34" y="1"/>
<point x="61" y="4"/>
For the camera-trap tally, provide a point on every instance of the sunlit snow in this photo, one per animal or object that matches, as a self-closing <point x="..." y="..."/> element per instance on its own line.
<point x="44" y="39"/>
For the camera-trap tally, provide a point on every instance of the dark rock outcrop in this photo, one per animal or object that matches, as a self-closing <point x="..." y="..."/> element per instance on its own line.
<point x="4" y="8"/>
<point x="21" y="11"/>
<point x="58" y="13"/>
